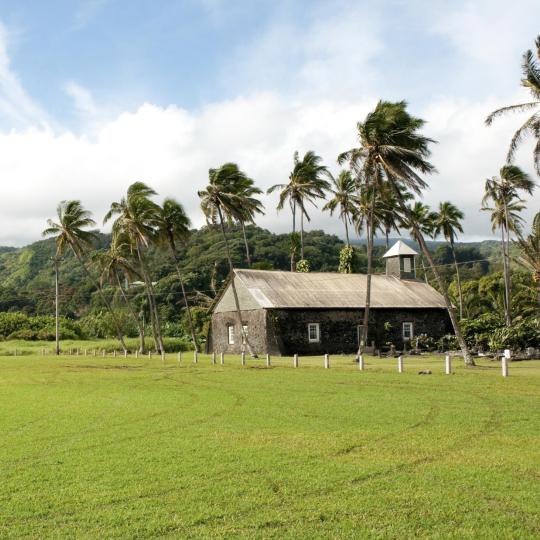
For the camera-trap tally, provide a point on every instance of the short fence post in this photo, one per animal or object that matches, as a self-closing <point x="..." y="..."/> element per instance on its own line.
<point x="213" y="358"/>
<point x="85" y="352"/>
<point x="77" y="349"/>
<point x="360" y="362"/>
<point x="94" y="352"/>
<point x="400" y="364"/>
<point x="195" y="357"/>
<point x="136" y="353"/>
<point x="295" y="360"/>
<point x="326" y="361"/>
<point x="179" y="356"/>
<point x="243" y="355"/>
<point x="504" y="366"/>
<point x="150" y="355"/>
<point x="221" y="358"/>
<point x="125" y="353"/>
<point x="114" y="353"/>
<point x="267" y="360"/>
<point x="447" y="365"/>
<point x="163" y="357"/>
<point x="103" y="353"/>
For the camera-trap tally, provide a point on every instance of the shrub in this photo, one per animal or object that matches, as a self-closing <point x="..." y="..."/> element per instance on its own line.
<point x="24" y="333"/>
<point x="522" y="334"/>
<point x="302" y="266"/>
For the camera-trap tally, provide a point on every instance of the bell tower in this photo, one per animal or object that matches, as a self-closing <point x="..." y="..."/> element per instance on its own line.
<point x="400" y="261"/>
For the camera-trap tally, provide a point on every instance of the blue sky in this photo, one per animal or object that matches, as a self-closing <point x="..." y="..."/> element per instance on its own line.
<point x="96" y="94"/>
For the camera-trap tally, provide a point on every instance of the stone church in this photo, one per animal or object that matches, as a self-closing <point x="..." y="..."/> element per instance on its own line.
<point x="320" y="312"/>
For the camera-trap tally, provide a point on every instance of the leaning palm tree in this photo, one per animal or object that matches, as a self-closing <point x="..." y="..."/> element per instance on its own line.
<point x="306" y="185"/>
<point x="221" y="201"/>
<point x="531" y="81"/>
<point x="249" y="208"/>
<point x="137" y="218"/>
<point x="71" y="233"/>
<point x="173" y="228"/>
<point x="344" y="198"/>
<point x="116" y="265"/>
<point x="393" y="150"/>
<point x="448" y="223"/>
<point x="503" y="191"/>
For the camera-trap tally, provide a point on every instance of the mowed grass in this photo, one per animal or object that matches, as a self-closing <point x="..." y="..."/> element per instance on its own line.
<point x="136" y="448"/>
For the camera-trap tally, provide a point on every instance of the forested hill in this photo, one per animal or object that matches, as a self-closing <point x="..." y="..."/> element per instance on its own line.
<point x="27" y="282"/>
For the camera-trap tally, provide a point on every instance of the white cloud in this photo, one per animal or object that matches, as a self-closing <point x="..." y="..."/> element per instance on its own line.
<point x="16" y="106"/>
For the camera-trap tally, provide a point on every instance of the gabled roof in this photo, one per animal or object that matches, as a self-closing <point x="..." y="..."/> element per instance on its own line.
<point x="277" y="289"/>
<point x="399" y="248"/>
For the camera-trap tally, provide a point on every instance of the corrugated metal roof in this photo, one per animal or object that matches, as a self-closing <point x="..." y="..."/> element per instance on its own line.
<point x="277" y="289"/>
<point x="399" y="248"/>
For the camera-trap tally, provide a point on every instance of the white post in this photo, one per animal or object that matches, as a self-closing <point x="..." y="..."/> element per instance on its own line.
<point x="85" y="352"/>
<point x="267" y="360"/>
<point x="504" y="366"/>
<point x="243" y="358"/>
<point x="213" y="358"/>
<point x="179" y="356"/>
<point x="360" y="362"/>
<point x="136" y="353"/>
<point x="103" y="353"/>
<point x="162" y="356"/>
<point x="447" y="365"/>
<point x="221" y="358"/>
<point x="94" y="352"/>
<point x="149" y="355"/>
<point x="400" y="364"/>
<point x="125" y="353"/>
<point x="77" y="353"/>
<point x="195" y="357"/>
<point x="326" y="361"/>
<point x="295" y="360"/>
<point x="114" y="353"/>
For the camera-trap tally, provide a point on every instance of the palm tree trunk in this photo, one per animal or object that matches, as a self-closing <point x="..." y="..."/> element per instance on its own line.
<point x="345" y="219"/>
<point x="293" y="239"/>
<point x="363" y="341"/>
<point x="151" y="298"/>
<point x="184" y="295"/>
<point x="56" y="308"/>
<point x="245" y="340"/>
<point x="458" y="281"/>
<point x="467" y="358"/>
<point x="508" y="283"/>
<point x="505" y="272"/>
<point x="301" y="233"/>
<point x="424" y="269"/>
<point x="248" y="256"/>
<point x="107" y="304"/>
<point x="130" y="309"/>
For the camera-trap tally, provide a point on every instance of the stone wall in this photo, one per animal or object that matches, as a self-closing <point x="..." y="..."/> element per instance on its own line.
<point x="285" y="331"/>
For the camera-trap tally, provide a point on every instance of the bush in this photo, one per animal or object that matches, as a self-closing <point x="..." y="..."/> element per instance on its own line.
<point x="477" y="332"/>
<point x="522" y="334"/>
<point x="23" y="333"/>
<point x="448" y="342"/>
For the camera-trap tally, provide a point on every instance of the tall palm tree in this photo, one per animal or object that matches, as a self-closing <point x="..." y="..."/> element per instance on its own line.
<point x="138" y="218"/>
<point x="503" y="191"/>
<point x="249" y="207"/>
<point x="448" y="223"/>
<point x="393" y="150"/>
<point x="114" y="264"/>
<point x="531" y="81"/>
<point x="306" y="185"/>
<point x="71" y="233"/>
<point x="221" y="201"/>
<point x="529" y="257"/>
<point x="419" y="220"/>
<point x="344" y="198"/>
<point x="173" y="228"/>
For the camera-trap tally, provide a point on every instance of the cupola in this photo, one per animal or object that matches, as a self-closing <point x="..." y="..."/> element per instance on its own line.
<point x="400" y="261"/>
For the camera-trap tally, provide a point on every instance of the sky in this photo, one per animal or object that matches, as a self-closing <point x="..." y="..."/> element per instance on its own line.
<point x="97" y="94"/>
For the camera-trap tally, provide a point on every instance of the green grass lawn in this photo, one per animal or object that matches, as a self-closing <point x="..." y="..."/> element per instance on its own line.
<point x="126" y="448"/>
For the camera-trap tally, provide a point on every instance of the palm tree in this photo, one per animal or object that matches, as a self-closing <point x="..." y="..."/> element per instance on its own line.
<point x="448" y="223"/>
<point x="344" y="197"/>
<point x="393" y="150"/>
<point x="306" y="184"/>
<point x="138" y="219"/>
<point x="221" y="201"/>
<point x="71" y="233"/>
<point x="531" y="81"/>
<point x="173" y="228"/>
<point x="250" y="206"/>
<point x="530" y="250"/>
<point x="503" y="191"/>
<point x="419" y="220"/>
<point x="114" y="264"/>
